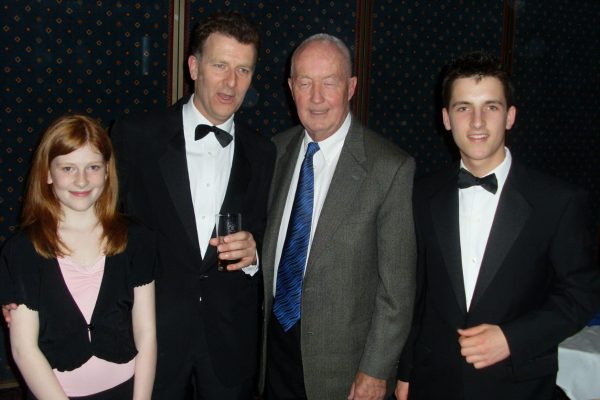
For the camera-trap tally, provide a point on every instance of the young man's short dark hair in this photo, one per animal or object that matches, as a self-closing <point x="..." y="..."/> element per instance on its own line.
<point x="480" y="65"/>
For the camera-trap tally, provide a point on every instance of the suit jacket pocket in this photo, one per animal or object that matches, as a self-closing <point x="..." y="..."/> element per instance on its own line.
<point x="536" y="367"/>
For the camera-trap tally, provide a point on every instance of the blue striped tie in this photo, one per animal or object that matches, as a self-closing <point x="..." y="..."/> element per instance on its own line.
<point x="288" y="292"/>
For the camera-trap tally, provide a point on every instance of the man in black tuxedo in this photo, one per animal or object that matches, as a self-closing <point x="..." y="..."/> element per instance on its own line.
<point x="177" y="171"/>
<point x="505" y="263"/>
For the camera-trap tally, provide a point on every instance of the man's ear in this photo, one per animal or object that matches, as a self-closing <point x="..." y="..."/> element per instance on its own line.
<point x="511" y="116"/>
<point x="193" y="67"/>
<point x="352" y="87"/>
<point x="291" y="84"/>
<point x="446" y="119"/>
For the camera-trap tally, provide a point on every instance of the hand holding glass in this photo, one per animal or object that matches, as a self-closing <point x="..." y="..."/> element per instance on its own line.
<point x="226" y="224"/>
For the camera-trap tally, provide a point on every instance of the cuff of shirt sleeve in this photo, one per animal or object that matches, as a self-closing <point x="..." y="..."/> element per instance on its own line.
<point x="252" y="268"/>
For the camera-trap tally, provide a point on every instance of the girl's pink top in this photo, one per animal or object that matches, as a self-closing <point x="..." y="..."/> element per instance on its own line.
<point x="96" y="374"/>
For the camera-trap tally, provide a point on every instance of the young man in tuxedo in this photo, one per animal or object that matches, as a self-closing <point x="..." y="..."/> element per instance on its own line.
<point x="505" y="263"/>
<point x="179" y="167"/>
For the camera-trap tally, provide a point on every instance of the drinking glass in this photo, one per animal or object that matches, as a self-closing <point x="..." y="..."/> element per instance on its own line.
<point x="227" y="224"/>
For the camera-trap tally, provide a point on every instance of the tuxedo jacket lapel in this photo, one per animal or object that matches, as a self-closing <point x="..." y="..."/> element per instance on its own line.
<point x="346" y="182"/>
<point x="238" y="179"/>
<point x="173" y="166"/>
<point x="444" y="211"/>
<point x="511" y="215"/>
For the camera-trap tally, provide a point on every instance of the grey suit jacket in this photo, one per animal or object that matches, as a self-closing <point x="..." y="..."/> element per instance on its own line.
<point x="359" y="282"/>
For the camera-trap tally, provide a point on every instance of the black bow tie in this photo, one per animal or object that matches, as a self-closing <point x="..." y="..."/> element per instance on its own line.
<point x="222" y="136"/>
<point x="466" y="180"/>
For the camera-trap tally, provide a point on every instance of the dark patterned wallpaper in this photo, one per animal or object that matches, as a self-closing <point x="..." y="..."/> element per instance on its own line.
<point x="101" y="58"/>
<point x="557" y="74"/>
<point x="412" y="41"/>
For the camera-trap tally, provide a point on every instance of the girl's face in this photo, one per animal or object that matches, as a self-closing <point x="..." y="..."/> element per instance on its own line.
<point x="78" y="179"/>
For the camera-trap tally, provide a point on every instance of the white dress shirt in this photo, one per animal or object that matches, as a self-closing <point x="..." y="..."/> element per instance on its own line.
<point x="324" y="163"/>
<point x="209" y="167"/>
<point x="477" y="208"/>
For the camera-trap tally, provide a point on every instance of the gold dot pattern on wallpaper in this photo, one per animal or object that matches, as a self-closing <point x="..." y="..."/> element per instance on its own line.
<point x="268" y="107"/>
<point x="557" y="74"/>
<point x="102" y="58"/>
<point x="412" y="41"/>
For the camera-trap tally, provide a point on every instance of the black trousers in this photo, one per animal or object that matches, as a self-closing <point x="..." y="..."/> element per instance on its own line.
<point x="284" y="375"/>
<point x="194" y="378"/>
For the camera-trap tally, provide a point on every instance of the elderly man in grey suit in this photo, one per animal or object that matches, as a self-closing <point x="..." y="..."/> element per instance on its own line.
<point x="339" y="250"/>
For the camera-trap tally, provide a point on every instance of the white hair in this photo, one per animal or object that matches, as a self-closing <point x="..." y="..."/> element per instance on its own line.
<point x="324" y="37"/>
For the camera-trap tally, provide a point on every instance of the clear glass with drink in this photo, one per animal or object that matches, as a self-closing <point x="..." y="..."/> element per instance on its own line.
<point x="226" y="224"/>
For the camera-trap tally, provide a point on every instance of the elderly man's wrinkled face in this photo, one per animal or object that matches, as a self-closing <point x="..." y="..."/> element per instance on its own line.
<point x="322" y="87"/>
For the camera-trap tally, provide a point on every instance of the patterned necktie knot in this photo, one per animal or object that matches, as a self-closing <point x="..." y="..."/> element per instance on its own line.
<point x="288" y="290"/>
<point x="312" y="148"/>
<point x="466" y="180"/>
<point x="222" y="136"/>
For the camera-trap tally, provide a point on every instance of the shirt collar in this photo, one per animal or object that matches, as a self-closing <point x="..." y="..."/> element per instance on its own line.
<point x="333" y="144"/>
<point x="501" y="170"/>
<point x="192" y="118"/>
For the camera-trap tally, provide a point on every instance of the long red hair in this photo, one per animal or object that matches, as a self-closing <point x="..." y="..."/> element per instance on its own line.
<point x="41" y="209"/>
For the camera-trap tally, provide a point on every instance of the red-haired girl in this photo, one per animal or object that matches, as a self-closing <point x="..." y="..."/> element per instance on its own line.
<point x="81" y="274"/>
